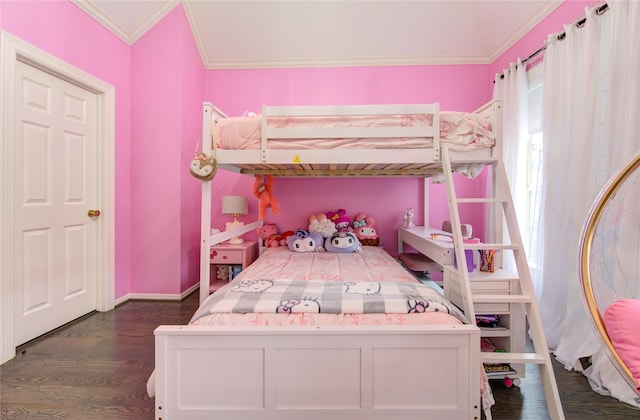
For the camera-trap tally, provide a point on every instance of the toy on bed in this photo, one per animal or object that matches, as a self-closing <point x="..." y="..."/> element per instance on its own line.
<point x="304" y="241"/>
<point x="263" y="190"/>
<point x="319" y="223"/>
<point x="342" y="242"/>
<point x="340" y="219"/>
<point x="270" y="236"/>
<point x="363" y="227"/>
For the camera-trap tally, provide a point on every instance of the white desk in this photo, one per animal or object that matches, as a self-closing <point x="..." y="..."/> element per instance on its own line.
<point x="419" y="238"/>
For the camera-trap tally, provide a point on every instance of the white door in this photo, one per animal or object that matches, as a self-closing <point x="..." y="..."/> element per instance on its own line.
<point x="55" y="170"/>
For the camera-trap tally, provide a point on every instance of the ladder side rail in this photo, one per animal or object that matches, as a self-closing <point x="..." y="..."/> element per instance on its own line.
<point x="531" y="309"/>
<point x="458" y="243"/>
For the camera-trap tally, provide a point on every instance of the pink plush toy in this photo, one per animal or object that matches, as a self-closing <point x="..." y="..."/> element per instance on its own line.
<point x="269" y="233"/>
<point x="365" y="230"/>
<point x="341" y="220"/>
<point x="319" y="223"/>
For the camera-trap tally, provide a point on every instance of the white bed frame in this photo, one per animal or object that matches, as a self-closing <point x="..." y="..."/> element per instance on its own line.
<point x="350" y="373"/>
<point x="347" y="372"/>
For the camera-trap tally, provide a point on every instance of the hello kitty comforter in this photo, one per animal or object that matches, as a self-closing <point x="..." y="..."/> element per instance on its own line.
<point x="295" y="296"/>
<point x="333" y="286"/>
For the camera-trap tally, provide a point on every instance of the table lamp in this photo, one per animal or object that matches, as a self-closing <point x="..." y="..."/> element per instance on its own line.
<point x="235" y="205"/>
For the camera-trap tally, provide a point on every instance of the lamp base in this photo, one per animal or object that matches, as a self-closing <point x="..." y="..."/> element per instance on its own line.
<point x="234" y="225"/>
<point x="236" y="241"/>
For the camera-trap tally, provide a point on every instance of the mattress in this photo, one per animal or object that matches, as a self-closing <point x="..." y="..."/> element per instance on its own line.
<point x="461" y="131"/>
<point x="313" y="277"/>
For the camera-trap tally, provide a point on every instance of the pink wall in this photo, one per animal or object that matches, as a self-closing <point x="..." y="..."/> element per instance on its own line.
<point x="167" y="79"/>
<point x="160" y="85"/>
<point x="191" y="98"/>
<point x="63" y="30"/>
<point x="461" y="88"/>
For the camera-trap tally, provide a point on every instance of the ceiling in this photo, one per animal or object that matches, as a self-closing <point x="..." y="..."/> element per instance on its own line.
<point x="266" y="34"/>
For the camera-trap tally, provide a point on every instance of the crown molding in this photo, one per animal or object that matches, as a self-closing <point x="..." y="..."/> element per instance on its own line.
<point x="130" y="36"/>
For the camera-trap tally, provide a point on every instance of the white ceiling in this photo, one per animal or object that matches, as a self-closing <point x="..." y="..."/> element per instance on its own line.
<point x="262" y="34"/>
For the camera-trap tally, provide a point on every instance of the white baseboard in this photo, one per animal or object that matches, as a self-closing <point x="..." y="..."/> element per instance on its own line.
<point x="157" y="296"/>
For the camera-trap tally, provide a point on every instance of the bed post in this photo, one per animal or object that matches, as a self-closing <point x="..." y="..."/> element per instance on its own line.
<point x="205" y="210"/>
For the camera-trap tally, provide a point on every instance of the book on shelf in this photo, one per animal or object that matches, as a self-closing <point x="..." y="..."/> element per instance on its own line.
<point x="498" y="370"/>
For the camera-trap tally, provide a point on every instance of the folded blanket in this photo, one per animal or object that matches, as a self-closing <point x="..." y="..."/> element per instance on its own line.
<point x="295" y="296"/>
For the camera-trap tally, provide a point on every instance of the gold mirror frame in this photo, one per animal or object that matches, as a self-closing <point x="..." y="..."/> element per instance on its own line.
<point x="585" y="256"/>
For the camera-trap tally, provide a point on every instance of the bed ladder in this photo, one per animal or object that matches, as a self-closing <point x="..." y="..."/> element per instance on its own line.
<point x="521" y="296"/>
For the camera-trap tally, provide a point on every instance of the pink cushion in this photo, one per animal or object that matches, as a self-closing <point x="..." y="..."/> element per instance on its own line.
<point x="622" y="320"/>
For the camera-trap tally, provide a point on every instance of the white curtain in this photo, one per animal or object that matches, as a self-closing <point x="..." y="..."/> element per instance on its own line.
<point x="511" y="88"/>
<point x="591" y="128"/>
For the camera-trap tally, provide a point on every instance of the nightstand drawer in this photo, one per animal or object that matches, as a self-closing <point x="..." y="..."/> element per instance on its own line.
<point x="226" y="256"/>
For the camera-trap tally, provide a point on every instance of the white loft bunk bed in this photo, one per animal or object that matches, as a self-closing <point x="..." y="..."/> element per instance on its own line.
<point x="246" y="372"/>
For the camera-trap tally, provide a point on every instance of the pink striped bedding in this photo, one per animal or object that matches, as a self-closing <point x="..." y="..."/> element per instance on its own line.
<point x="461" y="131"/>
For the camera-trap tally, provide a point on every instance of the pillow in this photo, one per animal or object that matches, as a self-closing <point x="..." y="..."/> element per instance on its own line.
<point x="621" y="320"/>
<point x="304" y="241"/>
<point x="342" y="242"/>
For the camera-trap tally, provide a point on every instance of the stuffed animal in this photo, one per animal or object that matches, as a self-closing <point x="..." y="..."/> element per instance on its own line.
<point x="304" y="241"/>
<point x="320" y="224"/>
<point x="342" y="242"/>
<point x="267" y="230"/>
<point x="284" y="236"/>
<point x="270" y="236"/>
<point x="222" y="272"/>
<point x="263" y="190"/>
<point x="365" y="230"/>
<point x="340" y="219"/>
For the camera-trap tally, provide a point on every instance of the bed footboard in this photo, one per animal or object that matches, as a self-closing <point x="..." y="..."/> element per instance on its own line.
<point x="404" y="372"/>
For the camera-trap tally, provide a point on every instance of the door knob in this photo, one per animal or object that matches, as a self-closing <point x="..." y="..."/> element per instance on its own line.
<point x="93" y="213"/>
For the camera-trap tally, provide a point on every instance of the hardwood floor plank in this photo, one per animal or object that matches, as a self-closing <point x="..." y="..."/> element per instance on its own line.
<point x="97" y="368"/>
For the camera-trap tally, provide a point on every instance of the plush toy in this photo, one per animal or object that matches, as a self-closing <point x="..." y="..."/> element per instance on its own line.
<point x="304" y="241"/>
<point x="342" y="242"/>
<point x="320" y="224"/>
<point x="278" y="239"/>
<point x="267" y="230"/>
<point x="270" y="236"/>
<point x="222" y="272"/>
<point x="340" y="219"/>
<point x="365" y="230"/>
<point x="263" y="190"/>
<point x="284" y="236"/>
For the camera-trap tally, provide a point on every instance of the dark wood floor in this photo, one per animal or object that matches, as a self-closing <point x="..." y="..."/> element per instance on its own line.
<point x="97" y="368"/>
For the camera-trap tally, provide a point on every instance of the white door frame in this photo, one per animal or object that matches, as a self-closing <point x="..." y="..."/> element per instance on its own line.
<point x="13" y="50"/>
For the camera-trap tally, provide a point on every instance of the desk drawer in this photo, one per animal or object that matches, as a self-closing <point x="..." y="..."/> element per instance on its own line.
<point x="226" y="256"/>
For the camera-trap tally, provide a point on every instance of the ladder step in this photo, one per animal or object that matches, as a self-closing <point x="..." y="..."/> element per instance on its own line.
<point x="501" y="299"/>
<point x="505" y="357"/>
<point x="491" y="246"/>
<point x="462" y="161"/>
<point x="481" y="200"/>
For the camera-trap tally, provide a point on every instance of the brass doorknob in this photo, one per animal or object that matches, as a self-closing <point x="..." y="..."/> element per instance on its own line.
<point x="93" y="213"/>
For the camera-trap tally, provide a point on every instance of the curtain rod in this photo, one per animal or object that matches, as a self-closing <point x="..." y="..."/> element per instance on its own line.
<point x="599" y="11"/>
